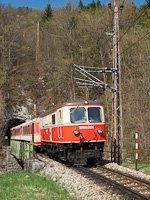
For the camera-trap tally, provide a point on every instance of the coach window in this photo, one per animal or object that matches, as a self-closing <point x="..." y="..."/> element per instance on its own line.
<point x="53" y="119"/>
<point x="94" y="114"/>
<point x="30" y="130"/>
<point x="78" y="114"/>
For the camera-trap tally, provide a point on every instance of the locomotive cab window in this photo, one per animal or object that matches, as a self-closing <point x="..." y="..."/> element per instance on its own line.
<point x="78" y="114"/>
<point x="53" y="119"/>
<point x="94" y="114"/>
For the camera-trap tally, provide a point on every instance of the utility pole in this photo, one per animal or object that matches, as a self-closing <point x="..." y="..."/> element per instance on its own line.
<point x="116" y="131"/>
<point x="34" y="110"/>
<point x="37" y="42"/>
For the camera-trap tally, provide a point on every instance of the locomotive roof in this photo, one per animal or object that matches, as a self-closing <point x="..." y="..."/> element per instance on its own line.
<point x="80" y="102"/>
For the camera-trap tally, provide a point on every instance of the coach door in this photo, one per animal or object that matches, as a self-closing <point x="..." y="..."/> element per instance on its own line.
<point x="59" y="124"/>
<point x="32" y="132"/>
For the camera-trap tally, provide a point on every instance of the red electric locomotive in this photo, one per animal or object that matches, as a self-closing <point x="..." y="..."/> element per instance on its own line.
<point x="74" y="131"/>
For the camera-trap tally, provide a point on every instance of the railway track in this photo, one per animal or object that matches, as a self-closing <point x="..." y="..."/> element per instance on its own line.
<point x="124" y="184"/>
<point x="128" y="186"/>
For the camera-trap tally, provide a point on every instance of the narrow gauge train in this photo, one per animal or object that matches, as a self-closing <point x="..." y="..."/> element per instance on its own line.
<point x="73" y="131"/>
<point x="28" y="131"/>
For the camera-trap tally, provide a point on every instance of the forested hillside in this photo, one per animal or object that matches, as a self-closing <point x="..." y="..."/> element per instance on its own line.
<point x="77" y="35"/>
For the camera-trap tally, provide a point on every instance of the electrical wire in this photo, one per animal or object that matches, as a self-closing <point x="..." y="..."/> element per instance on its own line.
<point x="129" y="29"/>
<point x="133" y="23"/>
<point x="128" y="18"/>
<point x="135" y="43"/>
<point x="145" y="8"/>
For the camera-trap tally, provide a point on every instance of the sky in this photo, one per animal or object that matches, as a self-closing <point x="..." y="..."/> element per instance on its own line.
<point x="41" y="4"/>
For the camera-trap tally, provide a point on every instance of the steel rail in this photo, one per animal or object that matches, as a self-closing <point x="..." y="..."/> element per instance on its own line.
<point x="127" y="175"/>
<point x="97" y="177"/>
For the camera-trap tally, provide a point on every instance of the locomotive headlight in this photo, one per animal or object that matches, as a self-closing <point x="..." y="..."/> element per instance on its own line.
<point x="100" y="130"/>
<point x="76" y="131"/>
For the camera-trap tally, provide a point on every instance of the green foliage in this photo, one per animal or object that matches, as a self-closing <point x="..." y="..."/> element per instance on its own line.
<point x="81" y="6"/>
<point x="145" y="168"/>
<point x="92" y="5"/>
<point x="24" y="11"/>
<point x="30" y="186"/>
<point x="98" y="4"/>
<point x="148" y="3"/>
<point x="47" y="13"/>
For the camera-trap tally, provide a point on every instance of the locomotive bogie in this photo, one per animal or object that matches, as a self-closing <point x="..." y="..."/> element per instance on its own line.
<point x="76" y="153"/>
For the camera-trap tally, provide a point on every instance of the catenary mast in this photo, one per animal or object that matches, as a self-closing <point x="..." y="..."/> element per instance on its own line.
<point x="116" y="132"/>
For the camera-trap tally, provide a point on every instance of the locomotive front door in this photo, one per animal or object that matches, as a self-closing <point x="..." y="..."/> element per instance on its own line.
<point x="59" y="125"/>
<point x="50" y="130"/>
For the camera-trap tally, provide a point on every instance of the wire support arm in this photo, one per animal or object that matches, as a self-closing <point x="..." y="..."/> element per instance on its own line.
<point x="93" y="79"/>
<point x="98" y="68"/>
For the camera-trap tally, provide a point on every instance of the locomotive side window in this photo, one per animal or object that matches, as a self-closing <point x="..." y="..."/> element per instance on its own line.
<point x="53" y="119"/>
<point x="59" y="117"/>
<point x="43" y="122"/>
<point x="78" y="114"/>
<point x="94" y="114"/>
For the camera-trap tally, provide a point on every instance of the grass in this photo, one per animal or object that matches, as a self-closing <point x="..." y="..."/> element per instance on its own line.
<point x="30" y="186"/>
<point x="145" y="168"/>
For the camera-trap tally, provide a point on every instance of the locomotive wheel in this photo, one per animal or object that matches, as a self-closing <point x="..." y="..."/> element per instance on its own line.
<point x="70" y="156"/>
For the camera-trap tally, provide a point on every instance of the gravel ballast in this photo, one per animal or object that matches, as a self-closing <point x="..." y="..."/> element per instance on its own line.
<point x="76" y="184"/>
<point x="80" y="186"/>
<point x="128" y="171"/>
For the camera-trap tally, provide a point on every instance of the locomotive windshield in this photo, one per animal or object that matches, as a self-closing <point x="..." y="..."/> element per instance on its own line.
<point x="78" y="114"/>
<point x="94" y="114"/>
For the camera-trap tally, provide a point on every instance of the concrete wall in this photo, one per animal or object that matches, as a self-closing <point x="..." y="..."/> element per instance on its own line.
<point x="12" y="165"/>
